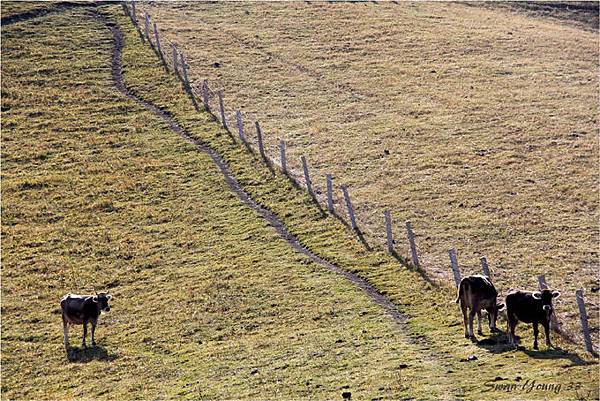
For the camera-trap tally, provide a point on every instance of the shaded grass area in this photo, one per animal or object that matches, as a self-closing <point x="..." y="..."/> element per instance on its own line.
<point x="479" y="125"/>
<point x="208" y="302"/>
<point x="434" y="320"/>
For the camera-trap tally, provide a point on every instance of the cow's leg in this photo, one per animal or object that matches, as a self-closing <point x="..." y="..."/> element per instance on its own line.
<point x="471" y="317"/>
<point x="535" y="335"/>
<point x="547" y="332"/>
<point x="65" y="333"/>
<point x="479" y="329"/>
<point x="512" y="325"/>
<point x="94" y="322"/>
<point x="84" y="334"/>
<point x="463" y="307"/>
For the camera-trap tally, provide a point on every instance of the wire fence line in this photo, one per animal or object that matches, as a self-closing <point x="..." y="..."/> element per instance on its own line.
<point x="212" y="101"/>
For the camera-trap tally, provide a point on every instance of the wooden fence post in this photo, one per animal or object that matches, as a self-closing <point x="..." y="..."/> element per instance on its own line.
<point x="261" y="146"/>
<point x="147" y="27"/>
<point x="350" y="208"/>
<point x="306" y="176"/>
<point x="157" y="42"/>
<point x="585" y="328"/>
<point x="388" y="231"/>
<point x="544" y="286"/>
<point x="413" y="245"/>
<point x="454" y="264"/>
<point x="240" y="126"/>
<point x="329" y="180"/>
<point x="485" y="267"/>
<point x="282" y="156"/>
<point x="134" y="14"/>
<point x="222" y="109"/>
<point x="184" y="68"/>
<point x="205" y="95"/>
<point x="174" y="52"/>
<point x="542" y="282"/>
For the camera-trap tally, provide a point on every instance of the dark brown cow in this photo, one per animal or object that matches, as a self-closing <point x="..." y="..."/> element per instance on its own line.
<point x="530" y="307"/>
<point x="476" y="293"/>
<point x="82" y="309"/>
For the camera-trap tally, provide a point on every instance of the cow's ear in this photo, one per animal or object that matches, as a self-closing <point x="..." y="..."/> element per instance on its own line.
<point x="555" y="294"/>
<point x="95" y="299"/>
<point x="108" y="297"/>
<point x="500" y="306"/>
<point x="537" y="295"/>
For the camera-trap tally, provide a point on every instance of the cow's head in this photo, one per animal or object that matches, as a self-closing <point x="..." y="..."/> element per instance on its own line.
<point x="493" y="314"/>
<point x="546" y="297"/>
<point x="102" y="300"/>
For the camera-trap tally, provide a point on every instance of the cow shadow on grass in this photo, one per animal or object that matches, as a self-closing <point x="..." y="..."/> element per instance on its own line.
<point x="85" y="355"/>
<point x="497" y="343"/>
<point x="558" y="353"/>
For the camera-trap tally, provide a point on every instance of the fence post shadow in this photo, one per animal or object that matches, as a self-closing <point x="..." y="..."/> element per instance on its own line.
<point x="410" y="265"/>
<point x="358" y="233"/>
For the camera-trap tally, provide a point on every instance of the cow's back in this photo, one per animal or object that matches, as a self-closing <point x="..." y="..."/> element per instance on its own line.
<point x="77" y="309"/>
<point x="523" y="305"/>
<point x="477" y="289"/>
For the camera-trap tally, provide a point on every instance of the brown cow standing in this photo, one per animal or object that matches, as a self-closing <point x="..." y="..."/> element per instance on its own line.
<point x="82" y="309"/>
<point x="530" y="307"/>
<point x="476" y="293"/>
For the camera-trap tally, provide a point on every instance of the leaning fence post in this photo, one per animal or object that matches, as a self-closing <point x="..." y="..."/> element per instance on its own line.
<point x="240" y="125"/>
<point x="157" y="41"/>
<point x="454" y="264"/>
<point x="388" y="231"/>
<point x="542" y="282"/>
<point x="174" y="53"/>
<point x="147" y="27"/>
<point x="134" y="14"/>
<point x="350" y="208"/>
<point x="485" y="267"/>
<point x="205" y="95"/>
<point x="413" y="245"/>
<point x="282" y="156"/>
<point x="261" y="146"/>
<point x="222" y="109"/>
<point x="329" y="193"/>
<point x="126" y="9"/>
<point x="306" y="176"/>
<point x="544" y="286"/>
<point x="585" y="328"/>
<point x="184" y="68"/>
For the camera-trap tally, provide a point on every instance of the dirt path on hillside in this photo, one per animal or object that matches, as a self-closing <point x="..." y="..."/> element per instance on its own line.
<point x="235" y="186"/>
<point x="390" y="309"/>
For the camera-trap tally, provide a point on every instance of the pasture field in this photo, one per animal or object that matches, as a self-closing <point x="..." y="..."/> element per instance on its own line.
<point x="479" y="124"/>
<point x="209" y="301"/>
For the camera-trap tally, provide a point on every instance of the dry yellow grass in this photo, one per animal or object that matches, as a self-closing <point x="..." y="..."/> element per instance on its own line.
<point x="488" y="116"/>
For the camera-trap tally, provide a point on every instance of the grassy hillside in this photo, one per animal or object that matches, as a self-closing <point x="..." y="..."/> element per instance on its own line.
<point x="479" y="125"/>
<point x="209" y="302"/>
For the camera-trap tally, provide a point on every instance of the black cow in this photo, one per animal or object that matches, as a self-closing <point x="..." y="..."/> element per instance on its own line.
<point x="83" y="309"/>
<point x="476" y="293"/>
<point x="530" y="307"/>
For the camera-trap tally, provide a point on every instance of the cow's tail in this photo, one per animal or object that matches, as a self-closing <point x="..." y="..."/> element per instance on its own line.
<point x="460" y="290"/>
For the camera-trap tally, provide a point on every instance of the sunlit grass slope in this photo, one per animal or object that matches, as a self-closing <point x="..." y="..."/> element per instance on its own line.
<point x="209" y="303"/>
<point x="479" y="125"/>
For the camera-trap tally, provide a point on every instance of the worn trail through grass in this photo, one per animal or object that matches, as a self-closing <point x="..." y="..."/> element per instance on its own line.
<point x="235" y="186"/>
<point x="229" y="282"/>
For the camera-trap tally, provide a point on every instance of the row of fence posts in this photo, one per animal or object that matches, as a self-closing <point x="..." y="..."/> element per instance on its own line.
<point x="178" y="59"/>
